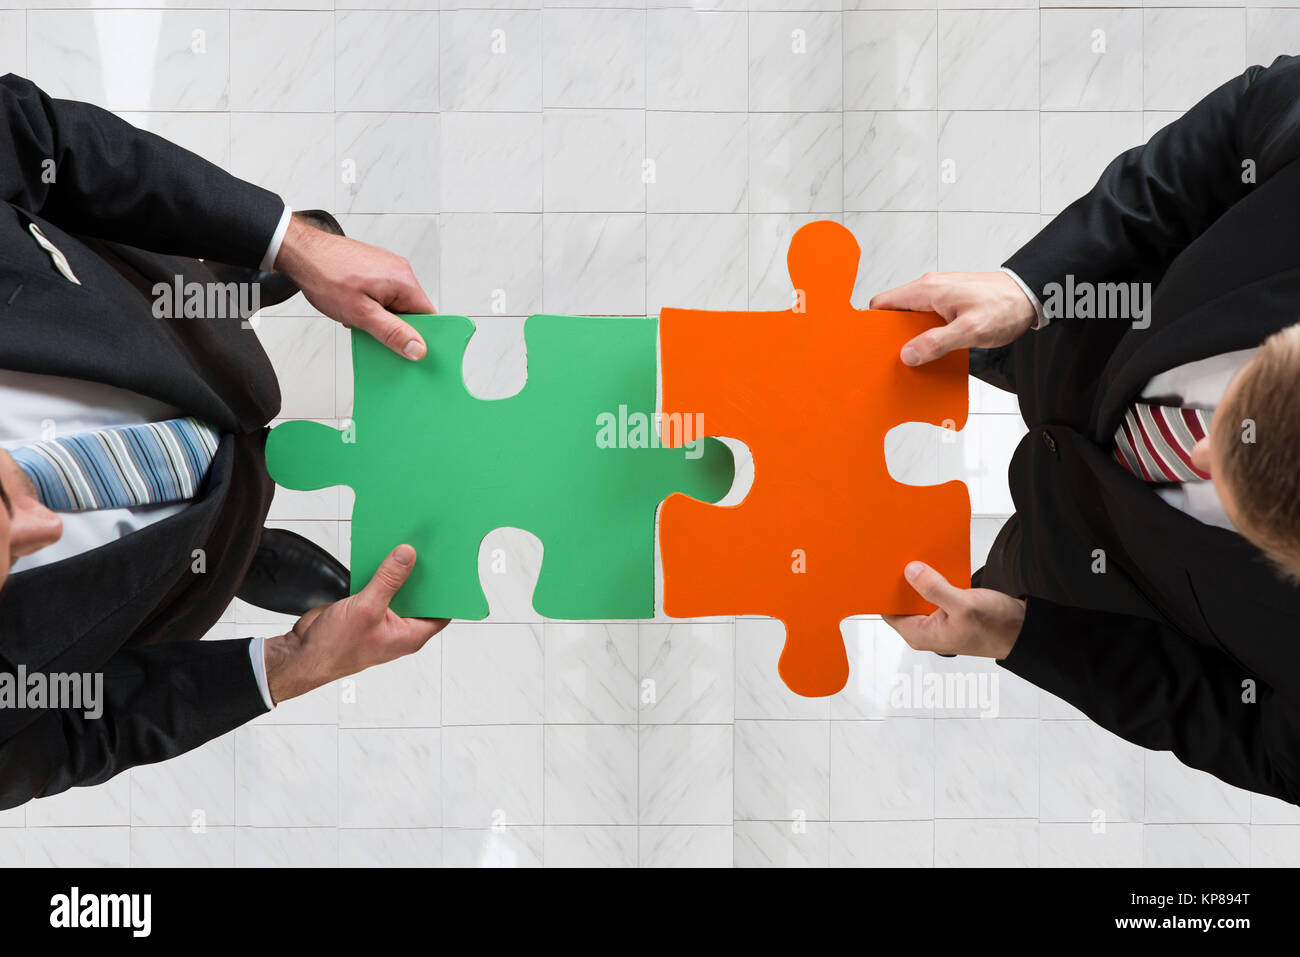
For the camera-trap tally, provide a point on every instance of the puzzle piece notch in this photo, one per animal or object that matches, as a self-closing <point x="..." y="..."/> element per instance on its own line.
<point x="437" y="467"/>
<point x="825" y="532"/>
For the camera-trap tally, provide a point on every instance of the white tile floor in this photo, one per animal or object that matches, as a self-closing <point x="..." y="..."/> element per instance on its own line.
<point x="614" y="158"/>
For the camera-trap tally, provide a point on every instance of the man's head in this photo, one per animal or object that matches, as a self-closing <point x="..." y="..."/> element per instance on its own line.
<point x="1253" y="450"/>
<point x="26" y="526"/>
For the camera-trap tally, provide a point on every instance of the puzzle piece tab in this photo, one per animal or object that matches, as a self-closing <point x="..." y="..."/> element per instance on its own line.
<point x="824" y="532"/>
<point x="434" y="466"/>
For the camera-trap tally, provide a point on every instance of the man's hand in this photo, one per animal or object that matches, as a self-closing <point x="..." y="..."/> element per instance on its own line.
<point x="355" y="284"/>
<point x="337" y="640"/>
<point x="968" y="621"/>
<point x="983" y="309"/>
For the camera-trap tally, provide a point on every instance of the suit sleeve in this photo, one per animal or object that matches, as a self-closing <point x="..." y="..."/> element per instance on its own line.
<point x="1155" y="687"/>
<point x="1153" y="200"/>
<point x="94" y="174"/>
<point x="158" y="701"/>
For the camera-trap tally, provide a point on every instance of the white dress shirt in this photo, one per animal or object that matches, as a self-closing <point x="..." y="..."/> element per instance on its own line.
<point x="1194" y="385"/>
<point x="31" y="404"/>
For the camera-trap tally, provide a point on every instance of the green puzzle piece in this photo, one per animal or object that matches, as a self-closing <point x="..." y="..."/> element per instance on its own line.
<point x="436" y="467"/>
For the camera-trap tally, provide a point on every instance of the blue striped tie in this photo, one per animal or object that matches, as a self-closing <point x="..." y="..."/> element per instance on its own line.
<point x="149" y="464"/>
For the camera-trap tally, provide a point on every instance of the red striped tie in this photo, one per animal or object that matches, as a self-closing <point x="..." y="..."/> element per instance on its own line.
<point x="1154" y="442"/>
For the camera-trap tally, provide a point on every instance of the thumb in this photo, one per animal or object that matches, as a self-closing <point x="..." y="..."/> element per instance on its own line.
<point x="388" y="578"/>
<point x="390" y="329"/>
<point x="932" y="586"/>
<point x="930" y="345"/>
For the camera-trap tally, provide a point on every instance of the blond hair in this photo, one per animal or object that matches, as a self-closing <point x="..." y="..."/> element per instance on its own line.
<point x="1257" y="441"/>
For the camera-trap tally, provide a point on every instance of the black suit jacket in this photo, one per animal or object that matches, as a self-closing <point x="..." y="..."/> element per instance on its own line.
<point x="134" y="608"/>
<point x="1188" y="641"/>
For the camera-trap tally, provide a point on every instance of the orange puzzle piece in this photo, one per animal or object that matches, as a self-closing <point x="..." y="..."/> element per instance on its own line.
<point x="824" y="532"/>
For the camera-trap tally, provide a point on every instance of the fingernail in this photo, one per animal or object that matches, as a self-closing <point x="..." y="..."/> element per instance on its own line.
<point x="414" y="349"/>
<point x="402" y="555"/>
<point x="909" y="356"/>
<point x="912" y="570"/>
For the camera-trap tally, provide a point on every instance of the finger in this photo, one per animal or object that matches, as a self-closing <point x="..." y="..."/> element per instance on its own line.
<point x="933" y="344"/>
<point x="932" y="586"/>
<point x="387" y="579"/>
<point x="390" y="329"/>
<point x="910" y="627"/>
<point x="409" y="296"/>
<point x="417" y="631"/>
<point x="917" y="295"/>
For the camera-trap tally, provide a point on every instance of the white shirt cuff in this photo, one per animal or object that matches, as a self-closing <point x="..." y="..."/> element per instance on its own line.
<point x="1042" y="319"/>
<point x="257" y="655"/>
<point x="277" y="239"/>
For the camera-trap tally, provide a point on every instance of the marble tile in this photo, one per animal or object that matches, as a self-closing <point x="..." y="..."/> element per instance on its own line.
<point x="491" y="777"/>
<point x="882" y="844"/>
<point x="883" y="770"/>
<point x="1091" y="59"/>
<point x="890" y="160"/>
<point x="781" y="844"/>
<point x="490" y="60"/>
<point x="1271" y="33"/>
<point x="696" y="260"/>
<point x="796" y="162"/>
<point x="1196" y="845"/>
<point x="890" y="60"/>
<point x="981" y="242"/>
<point x="1076" y="147"/>
<point x="286" y="776"/>
<point x="986" y="768"/>
<point x="988" y="59"/>
<point x="390" y="777"/>
<point x="1088" y="775"/>
<point x="606" y="846"/>
<point x="594" y="58"/>
<point x="696" y="59"/>
<point x="783" y="771"/>
<point x="593" y="161"/>
<point x="988" y="161"/>
<point x="491" y="162"/>
<point x="80" y="846"/>
<point x="1084" y="845"/>
<point x="405" y="693"/>
<point x="182" y="847"/>
<point x="492" y="847"/>
<point x="101" y="805"/>
<point x="593" y="264"/>
<point x="687" y="673"/>
<point x="686" y="774"/>
<point x="386" y="60"/>
<point x="795" y="61"/>
<point x="286" y="847"/>
<point x="194" y="790"/>
<point x="133" y="59"/>
<point x="1275" y="845"/>
<point x="390" y="847"/>
<point x="699" y="162"/>
<point x="896" y="248"/>
<point x="685" y="846"/>
<point x="1188" y="52"/>
<point x="492" y="673"/>
<point x="591" y="673"/>
<point x="269" y="75"/>
<point x="1177" y="794"/>
<point x="591" y="774"/>
<point x="491" y="263"/>
<point x="13" y="42"/>
<point x="291" y="154"/>
<point x="986" y="843"/>
<point x="387" y="162"/>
